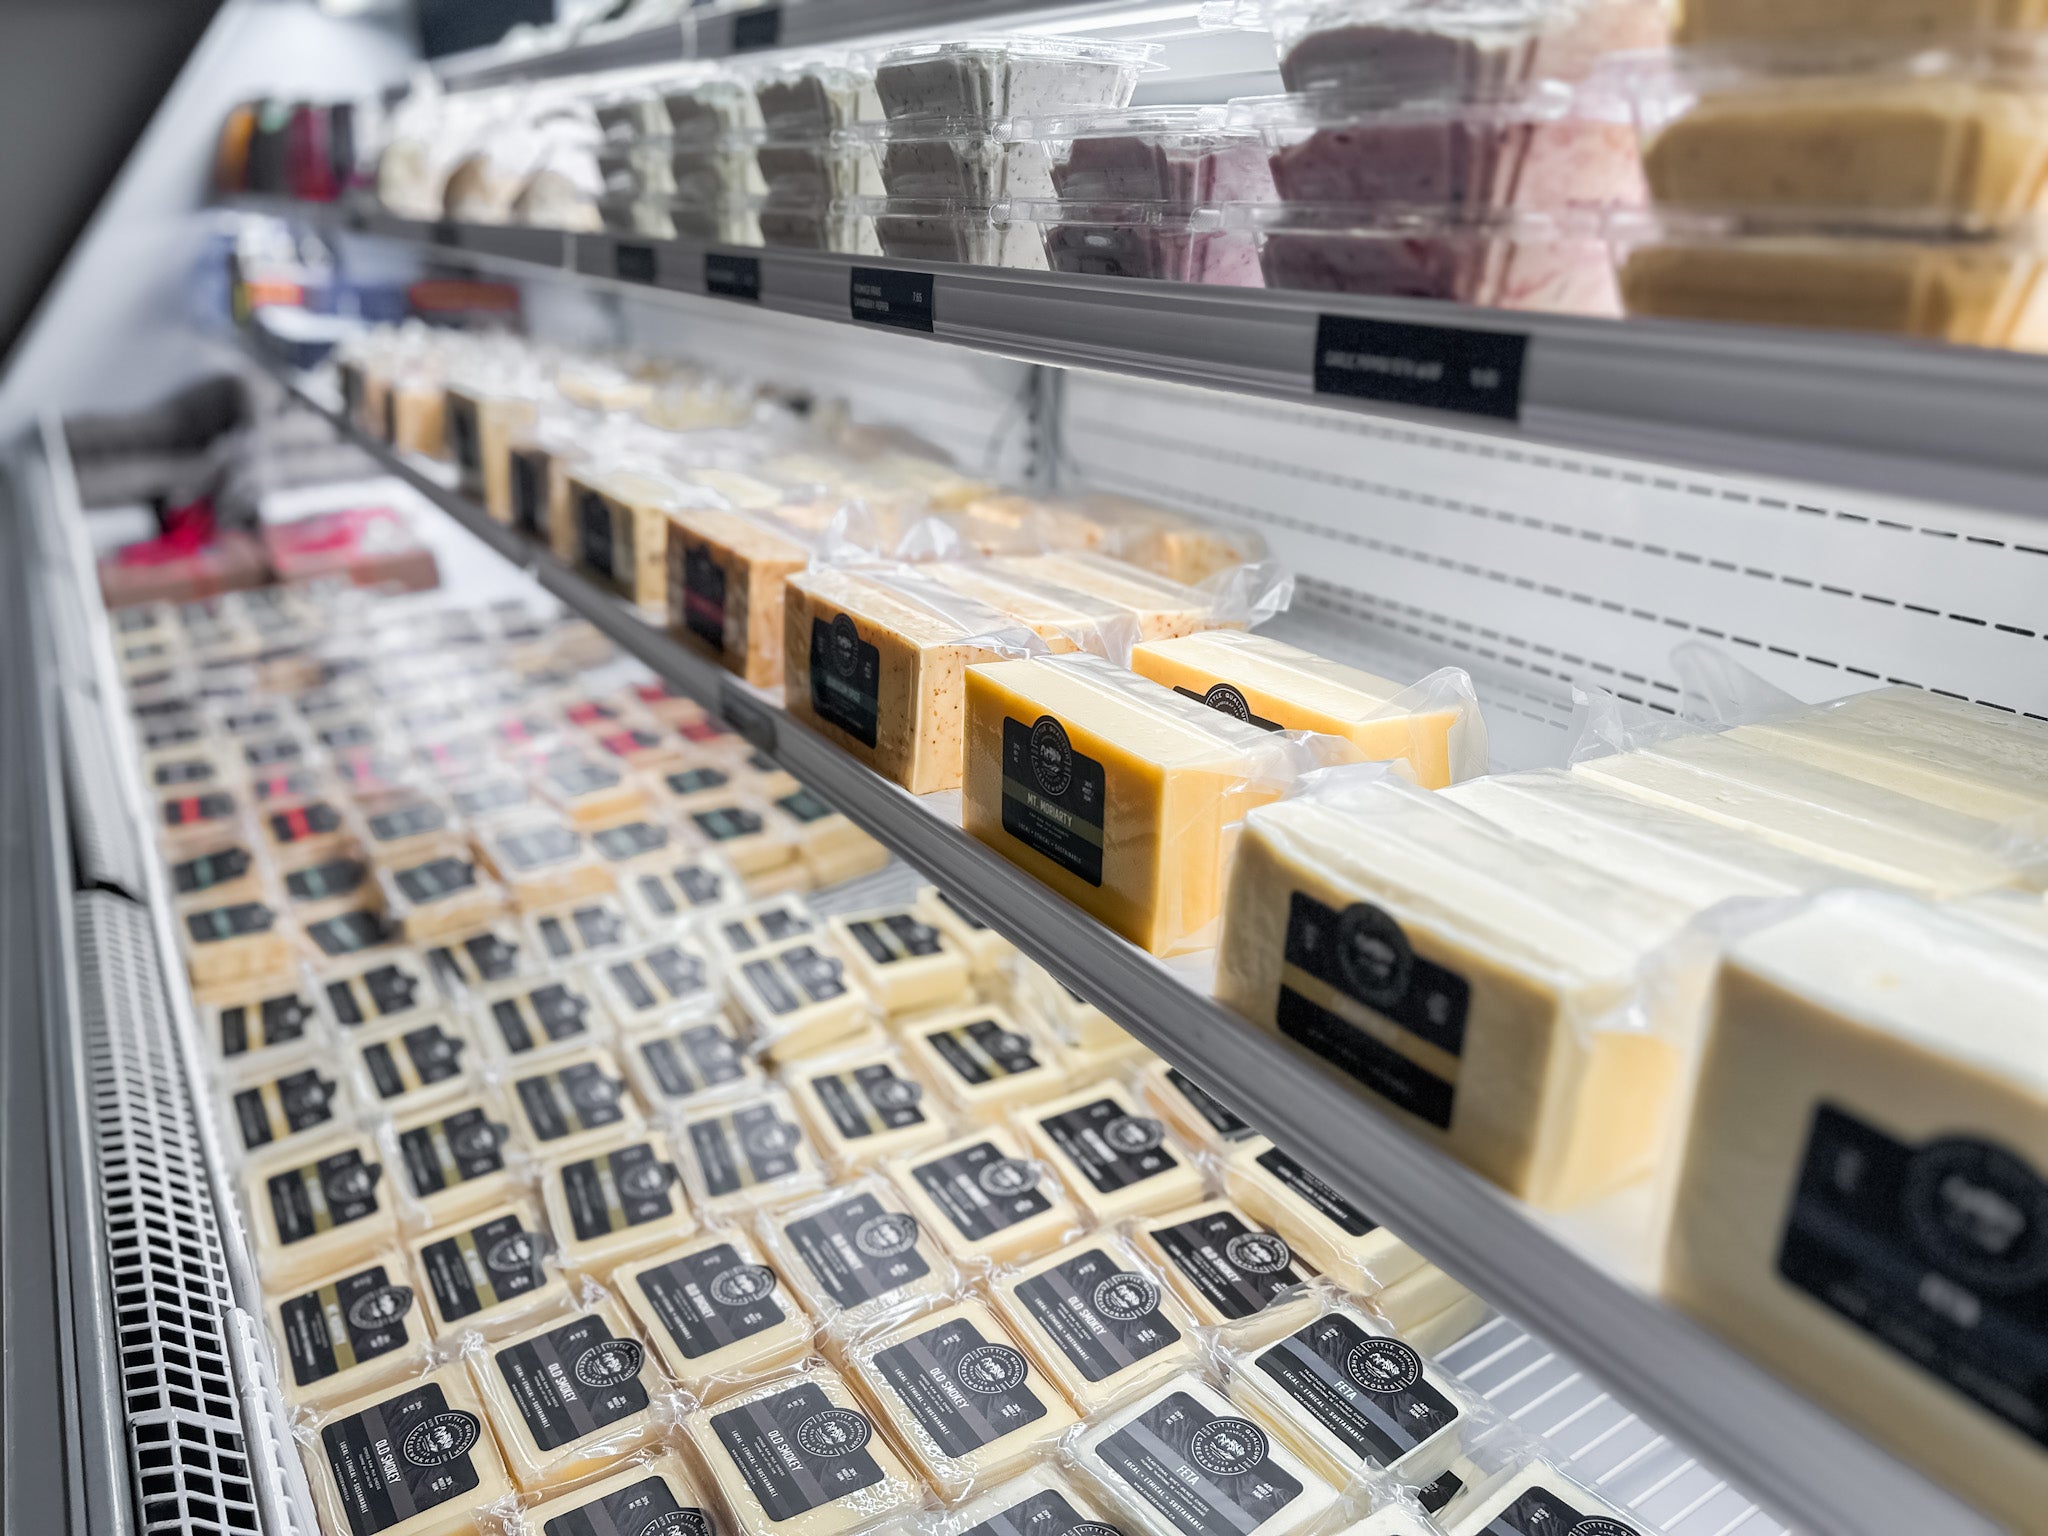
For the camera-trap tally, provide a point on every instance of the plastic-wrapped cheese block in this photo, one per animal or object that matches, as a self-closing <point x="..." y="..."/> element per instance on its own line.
<point x="488" y="1275"/>
<point x="1097" y="1321"/>
<point x="1271" y="683"/>
<point x="1821" y="23"/>
<point x="521" y="1019"/>
<point x="987" y="951"/>
<point x="189" y="823"/>
<point x="589" y="928"/>
<point x="570" y="1395"/>
<point x="745" y="1152"/>
<point x="333" y="886"/>
<point x="1115" y="1160"/>
<point x="377" y="990"/>
<point x="1393" y="1520"/>
<point x="1538" y="1499"/>
<point x="716" y="1311"/>
<point x="1350" y="1400"/>
<point x="1478" y="984"/>
<point x="647" y="1495"/>
<point x="412" y="1461"/>
<point x="791" y="879"/>
<point x="397" y="824"/>
<point x="566" y="1103"/>
<point x="905" y="963"/>
<point x="262" y="1023"/>
<point x="739" y="829"/>
<point x="456" y="1160"/>
<point x="1116" y="792"/>
<point x="622" y="518"/>
<point x="654" y="984"/>
<point x="857" y="1258"/>
<point x="876" y="663"/>
<point x="1077" y="1025"/>
<point x="1064" y="618"/>
<point x="963" y="1398"/>
<point x="589" y="791"/>
<point x="1858" y="1199"/>
<point x="1183" y="1461"/>
<point x="482" y="798"/>
<point x="267" y="1111"/>
<point x="1164" y="608"/>
<point x="612" y="1203"/>
<point x="846" y="856"/>
<point x="1041" y="1502"/>
<point x="469" y="962"/>
<point x="542" y="861"/>
<point x="798" y="999"/>
<point x="864" y="1105"/>
<point x="219" y="871"/>
<point x="761" y="926"/>
<point x="987" y="1200"/>
<point x="984" y="1062"/>
<point x="725" y="580"/>
<point x="230" y="946"/>
<point x="1200" y="1118"/>
<point x="1417" y="1297"/>
<point x="437" y="890"/>
<point x="350" y="1333"/>
<point x="1335" y="1235"/>
<point x="317" y="1210"/>
<point x="986" y="79"/>
<point x="673" y="889"/>
<point x="1434" y="1335"/>
<point x="826" y="840"/>
<point x="422" y="1061"/>
<point x="676" y="1062"/>
<point x="338" y="940"/>
<point x="481" y="423"/>
<point x="796" y="1454"/>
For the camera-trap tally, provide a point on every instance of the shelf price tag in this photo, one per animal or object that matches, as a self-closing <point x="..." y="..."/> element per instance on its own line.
<point x="732" y="277"/>
<point x="634" y="263"/>
<point x="749" y="716"/>
<point x="754" y="29"/>
<point x="882" y="296"/>
<point x="1473" y="373"/>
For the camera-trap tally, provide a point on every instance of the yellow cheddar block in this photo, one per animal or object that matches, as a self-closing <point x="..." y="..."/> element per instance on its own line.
<point x="318" y="1210"/>
<point x="1224" y="1265"/>
<point x="1279" y="686"/>
<point x="987" y="1199"/>
<point x="611" y="1203"/>
<point x="716" y="1310"/>
<point x="424" y="1452"/>
<point x="1164" y="608"/>
<point x="984" y="1061"/>
<point x="1115" y="1159"/>
<point x="906" y="964"/>
<point x="1097" y="1322"/>
<point x="457" y="1161"/>
<point x="481" y="424"/>
<point x="650" y="1494"/>
<point x="489" y="1275"/>
<point x="1858" y="1204"/>
<point x="1113" y="791"/>
<point x="858" y="1258"/>
<point x="863" y="1106"/>
<point x="1335" y="1235"/>
<point x="349" y="1333"/>
<point x="725" y="584"/>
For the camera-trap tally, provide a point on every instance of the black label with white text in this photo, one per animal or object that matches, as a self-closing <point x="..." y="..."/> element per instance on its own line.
<point x="1054" y="798"/>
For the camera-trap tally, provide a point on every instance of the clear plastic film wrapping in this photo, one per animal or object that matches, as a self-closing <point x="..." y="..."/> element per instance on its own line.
<point x="718" y="1309"/>
<point x="858" y="1258"/>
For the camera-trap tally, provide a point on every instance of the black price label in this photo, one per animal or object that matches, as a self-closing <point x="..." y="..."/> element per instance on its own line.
<point x="633" y="263"/>
<point x="1474" y="373"/>
<point x="732" y="277"/>
<point x="884" y="297"/>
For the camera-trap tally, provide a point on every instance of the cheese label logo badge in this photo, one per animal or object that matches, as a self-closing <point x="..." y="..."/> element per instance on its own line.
<point x="441" y="1439"/>
<point x="991" y="1369"/>
<point x="1228" y="1447"/>
<point x="380" y="1308"/>
<point x="1132" y="1134"/>
<point x="1052" y="756"/>
<point x="643" y="1181"/>
<point x="1979" y="1213"/>
<point x="885" y="1236"/>
<point x="1229" y="701"/>
<point x="1126" y="1297"/>
<point x="594" y="1095"/>
<point x="610" y="1363"/>
<point x="845" y="646"/>
<point x="834" y="1433"/>
<point x="743" y="1285"/>
<point x="894" y="1092"/>
<point x="477" y="1139"/>
<point x="1008" y="1176"/>
<point x="347" y="1184"/>
<point x="1383" y="1365"/>
<point x="772" y="1139"/>
<point x="1259" y="1253"/>
<point x="1373" y="953"/>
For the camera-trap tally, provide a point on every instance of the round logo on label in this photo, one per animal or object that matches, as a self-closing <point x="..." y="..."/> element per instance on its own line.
<point x="435" y="1049"/>
<point x="1228" y="1447"/>
<point x="1090" y="1528"/>
<point x="895" y="1093"/>
<point x="380" y="1308"/>
<point x="1383" y="1365"/>
<point x="742" y="1285"/>
<point x="773" y="1139"/>
<point x="1373" y="954"/>
<point x="301" y="1097"/>
<point x="833" y="1432"/>
<point x="643" y="1181"/>
<point x="344" y="1186"/>
<point x="845" y="646"/>
<point x="678" y="1522"/>
<point x="436" y="1441"/>
<point x="594" y="1095"/>
<point x="610" y="1362"/>
<point x="991" y="1368"/>
<point x="1227" y="699"/>
<point x="885" y="1236"/>
<point x="1052" y="756"/>
<point x="1126" y="1297"/>
<point x="1008" y="1176"/>
<point x="1600" y="1525"/>
<point x="1007" y="1042"/>
<point x="476" y="1138"/>
<point x="1259" y="1253"/>
<point x="1132" y="1134"/>
<point x="1979" y="1214"/>
<point x="512" y="1255"/>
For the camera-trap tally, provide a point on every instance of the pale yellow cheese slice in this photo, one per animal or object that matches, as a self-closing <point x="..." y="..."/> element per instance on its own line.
<point x="858" y="1258"/>
<point x="988" y="1200"/>
<point x="983" y="1060"/>
<point x="650" y="1494"/>
<point x="1097" y="1321"/>
<point x="489" y="1274"/>
<point x="725" y="584"/>
<point x="717" y="1310"/>
<point x="906" y="964"/>
<point x="614" y="1202"/>
<point x="1338" y="1238"/>
<point x="863" y="1106"/>
<point x="349" y="1333"/>
<point x="1116" y="1160"/>
<point x="316" y="1210"/>
<point x="422" y="1456"/>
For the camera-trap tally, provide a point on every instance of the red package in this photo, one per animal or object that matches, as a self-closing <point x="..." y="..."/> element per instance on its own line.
<point x="371" y="546"/>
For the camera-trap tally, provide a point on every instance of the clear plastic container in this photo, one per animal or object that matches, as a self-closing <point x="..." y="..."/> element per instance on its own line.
<point x="631" y="113"/>
<point x="803" y="223"/>
<point x="965" y="159"/>
<point x="816" y="96"/>
<point x="812" y="169"/>
<point x="1181" y="157"/>
<point x="711" y="170"/>
<point x="708" y="105"/>
<point x="992" y="78"/>
<point x="933" y="229"/>
<point x="715" y="223"/>
<point x="1147" y="240"/>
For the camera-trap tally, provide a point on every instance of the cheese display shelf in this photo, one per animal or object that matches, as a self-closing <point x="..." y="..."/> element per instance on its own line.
<point x="1572" y="1280"/>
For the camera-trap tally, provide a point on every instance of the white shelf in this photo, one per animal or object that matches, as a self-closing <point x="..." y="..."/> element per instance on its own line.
<point x="1565" y="1279"/>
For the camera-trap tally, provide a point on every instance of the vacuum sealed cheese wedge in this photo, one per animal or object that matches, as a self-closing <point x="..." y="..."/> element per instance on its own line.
<point x="987" y="1199"/>
<point x="456" y="1161"/>
<point x="622" y="513"/>
<point x="523" y="1019"/>
<point x="490" y="1274"/>
<point x="1116" y="1160"/>
<point x="568" y="1102"/>
<point x="662" y="890"/>
<point x="418" y="1062"/>
<point x="269" y="1109"/>
<point x="1164" y="607"/>
<point x="875" y="661"/>
<point x="590" y="927"/>
<point x="760" y="926"/>
<point x="1539" y="1498"/>
<point x="1483" y="987"/>
<point x="377" y="990"/>
<point x="647" y="1496"/>
<point x="906" y="964"/>
<point x="984" y="1061"/>
<point x="858" y="1258"/>
<point x="741" y="830"/>
<point x="725" y="581"/>
<point x="797" y="1454"/>
<point x="654" y="984"/>
<point x="798" y="999"/>
<point x="1117" y="793"/>
<point x="542" y="860"/>
<point x="1097" y="1321"/>
<point x="742" y="1152"/>
<point x="1337" y="1237"/>
<point x="316" y="1210"/>
<point x="1859" y="1204"/>
<point x="413" y="1460"/>
<point x="674" y="1063"/>
<point x="717" y="1312"/>
<point x="265" y="1023"/>
<point x="438" y="890"/>
<point x="1434" y="725"/>
<point x="349" y="1333"/>
<point x="1184" y="1459"/>
<point x="1223" y="1264"/>
<point x="614" y="1202"/>
<point x="1194" y="1113"/>
<point x="468" y="962"/>
<point x="482" y="421"/>
<point x="864" y="1105"/>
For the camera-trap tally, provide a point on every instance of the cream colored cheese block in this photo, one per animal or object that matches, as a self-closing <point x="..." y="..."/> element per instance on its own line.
<point x="1077" y="1024"/>
<point x="744" y="1153"/>
<point x="417" y="1460"/>
<point x="543" y="861"/>
<point x="654" y="985"/>
<point x="717" y="1311"/>
<point x="230" y="946"/>
<point x="316" y="1210"/>
<point x="1223" y="1265"/>
<point x="961" y="1395"/>
<point x="489" y="1275"/>
<point x="792" y="879"/>
<point x="1865" y="1164"/>
<point x="589" y="791"/>
<point x="570" y="1395"/>
<point x="761" y="925"/>
<point x="1184" y="1459"/>
<point x="481" y="426"/>
<point x="798" y="998"/>
<point x="612" y="1203"/>
<point x="1062" y="617"/>
<point x="349" y="936"/>
<point x="679" y="887"/>
<point x="456" y="1160"/>
<point x="621" y="518"/>
<point x="858" y="1258"/>
<point x="221" y="871"/>
<point x="987" y="1199"/>
<point x="567" y="1103"/>
<point x="1417" y="1297"/>
<point x="725" y="585"/>
<point x="843" y="860"/>
<point x="1113" y="791"/>
<point x="301" y="1100"/>
<point x="261" y="1025"/>
<point x="672" y="1066"/>
<point x="877" y="666"/>
<point x="826" y="839"/>
<point x="1436" y="1334"/>
<point x="1349" y="1399"/>
<point x="864" y="1106"/>
<point x="1041" y="1502"/>
<point x="1196" y="1115"/>
<point x="1097" y="1321"/>
<point x="377" y="990"/>
<point x="468" y="962"/>
<point x="1116" y="1160"/>
<point x="524" y="1020"/>
<point x="983" y="1061"/>
<point x="1165" y="608"/>
<point x="798" y="1454"/>
<point x="349" y="1333"/>
<point x="590" y="928"/>
<point x="739" y="828"/>
<point x="906" y="964"/>
<point x="987" y="951"/>
<point x="1335" y="1235"/>
<point x="1539" y="1499"/>
<point x="1271" y="683"/>
<point x="420" y="1061"/>
<point x="1463" y="978"/>
<point x="1873" y="832"/>
<point x="439" y="890"/>
<point x="649" y="1495"/>
<point x="395" y="825"/>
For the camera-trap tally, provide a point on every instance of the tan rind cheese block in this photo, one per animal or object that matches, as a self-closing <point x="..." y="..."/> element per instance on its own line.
<point x="963" y="1398"/>
<point x="1265" y="680"/>
<point x="881" y="674"/>
<point x="1116" y="1160"/>
<point x="315" y="1210"/>
<point x="798" y="1454"/>
<point x="488" y="1275"/>
<point x="417" y="417"/>
<point x="611" y="1203"/>
<point x="570" y="1395"/>
<point x="1097" y="1321"/>
<point x="1542" y="1499"/>
<point x="1165" y="608"/>
<point x="646" y="1495"/>
<point x="456" y="1160"/>
<point x="349" y="1333"/>
<point x="725" y="586"/>
<point x="417" y="1460"/>
<point x="717" y="1311"/>
<point x="863" y="1106"/>
<point x="1184" y="1453"/>
<point x="741" y="1154"/>
<point x="482" y="427"/>
<point x="1223" y="1264"/>
<point x="622" y="529"/>
<point x="983" y="1061"/>
<point x="987" y="1199"/>
<point x="1113" y="791"/>
<point x="906" y="964"/>
<point x="1332" y="1233"/>
<point x="1865" y="1163"/>
<point x="858" y="1257"/>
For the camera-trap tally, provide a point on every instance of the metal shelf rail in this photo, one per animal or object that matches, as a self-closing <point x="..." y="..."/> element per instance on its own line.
<point x="1563" y="1278"/>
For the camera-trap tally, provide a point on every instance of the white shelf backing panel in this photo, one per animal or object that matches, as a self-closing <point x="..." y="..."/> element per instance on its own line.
<point x="1559" y="566"/>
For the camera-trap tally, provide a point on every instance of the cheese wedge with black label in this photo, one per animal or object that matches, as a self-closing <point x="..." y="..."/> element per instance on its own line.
<point x="468" y="962"/>
<point x="740" y="830"/>
<point x="798" y="998"/>
<point x="673" y="1066"/>
<point x="418" y="1062"/>
<point x="377" y="990"/>
<point x="1195" y="1114"/>
<point x="349" y="1333"/>
<point x="1224" y="1264"/>
<point x="588" y="928"/>
<point x="717" y="1311"/>
<point x="569" y="1102"/>
<point x="299" y="1101"/>
<point x="1097" y="1321"/>
<point x="745" y="1152"/>
<point x="314" y="1210"/>
<point x="262" y="1024"/>
<point x="858" y="1257"/>
<point x="1116" y="1160"/>
<point x="650" y="1496"/>
<point x="416" y="1460"/>
<point x="653" y="985"/>
<point x="983" y="1060"/>
<point x="489" y="1275"/>
<point x="622" y="520"/>
<point x="725" y="585"/>
<point x="456" y="1160"/>
<point x="989" y="1201"/>
<point x="1336" y="1236"/>
<point x="527" y="1019"/>
<point x="610" y="1203"/>
<point x="1538" y="1500"/>
<point x="863" y="1106"/>
<point x="542" y="861"/>
<point x="906" y="964"/>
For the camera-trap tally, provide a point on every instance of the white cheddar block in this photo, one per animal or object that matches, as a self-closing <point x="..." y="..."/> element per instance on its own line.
<point x="377" y="990"/>
<point x="524" y="1020"/>
<point x="717" y="1311"/>
<point x="421" y="1061"/>
<point x="543" y="861"/>
<point x="798" y="998"/>
<point x="1097" y="1321"/>
<point x="649" y="1496"/>
<point x="988" y="1200"/>
<point x="568" y="1102"/>
<point x="655" y="984"/>
<point x="906" y="964"/>
<point x="417" y="1460"/>
<point x="300" y="1101"/>
<point x="1076" y="1023"/>
<point x="489" y="1275"/>
<point x="1115" y="1159"/>
<point x="743" y="1153"/>
<point x="674" y="1065"/>
<point x="987" y="951"/>
<point x="1539" y="1499"/>
<point x="1183" y="1460"/>
<point x="439" y="889"/>
<point x="1041" y="1502"/>
<point x="760" y="925"/>
<point x="983" y="1061"/>
<point x="319" y="1209"/>
<point x="845" y="859"/>
<point x="864" y="1106"/>
<point x="1335" y="1235"/>
<point x="1417" y="1297"/>
<point x="456" y="1160"/>
<point x="1224" y="1265"/>
<point x="612" y="1203"/>
<point x="1196" y="1114"/>
<point x="231" y="945"/>
<point x="792" y="879"/>
<point x="1436" y="1334"/>
<point x="858" y="1258"/>
<point x="589" y="928"/>
<point x="570" y="1395"/>
<point x="739" y="829"/>
<point x="262" y="1024"/>
<point x="665" y="891"/>
<point x="349" y="1333"/>
<point x="469" y="962"/>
